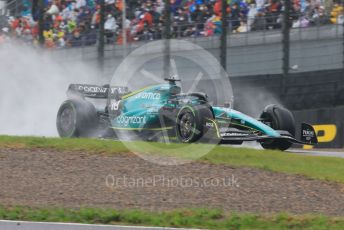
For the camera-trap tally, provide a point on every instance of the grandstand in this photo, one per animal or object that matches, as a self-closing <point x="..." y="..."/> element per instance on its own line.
<point x="255" y="39"/>
<point x="74" y="23"/>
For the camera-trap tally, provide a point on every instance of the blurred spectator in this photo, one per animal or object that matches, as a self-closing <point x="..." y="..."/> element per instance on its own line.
<point x="337" y="13"/>
<point x="110" y="27"/>
<point x="4" y="37"/>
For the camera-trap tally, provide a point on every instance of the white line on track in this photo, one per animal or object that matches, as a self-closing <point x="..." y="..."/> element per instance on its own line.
<point x="26" y="225"/>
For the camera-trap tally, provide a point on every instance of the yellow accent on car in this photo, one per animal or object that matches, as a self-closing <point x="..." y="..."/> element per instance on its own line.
<point x="136" y="92"/>
<point x="216" y="127"/>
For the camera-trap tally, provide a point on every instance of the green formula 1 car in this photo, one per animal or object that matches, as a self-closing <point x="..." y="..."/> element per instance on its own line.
<point x="163" y="112"/>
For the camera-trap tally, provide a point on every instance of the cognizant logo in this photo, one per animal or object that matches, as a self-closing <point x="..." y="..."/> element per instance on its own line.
<point x="131" y="120"/>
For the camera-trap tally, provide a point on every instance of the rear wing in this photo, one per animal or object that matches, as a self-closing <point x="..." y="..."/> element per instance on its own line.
<point x="95" y="91"/>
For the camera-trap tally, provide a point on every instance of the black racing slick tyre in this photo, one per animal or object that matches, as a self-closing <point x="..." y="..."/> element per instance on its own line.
<point x="190" y="122"/>
<point x="278" y="118"/>
<point x="76" y="118"/>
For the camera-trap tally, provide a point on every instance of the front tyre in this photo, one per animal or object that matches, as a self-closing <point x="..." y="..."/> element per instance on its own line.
<point x="278" y="118"/>
<point x="76" y="118"/>
<point x="190" y="123"/>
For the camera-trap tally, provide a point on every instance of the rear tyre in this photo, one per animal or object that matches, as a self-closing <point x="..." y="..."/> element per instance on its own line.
<point x="278" y="118"/>
<point x="190" y="123"/>
<point x="76" y="118"/>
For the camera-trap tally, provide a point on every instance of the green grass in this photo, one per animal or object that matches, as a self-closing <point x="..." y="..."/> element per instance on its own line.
<point x="90" y="145"/>
<point x="324" y="168"/>
<point x="189" y="218"/>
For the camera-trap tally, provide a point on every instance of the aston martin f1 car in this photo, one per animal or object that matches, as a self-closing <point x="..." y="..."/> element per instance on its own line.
<point x="162" y="111"/>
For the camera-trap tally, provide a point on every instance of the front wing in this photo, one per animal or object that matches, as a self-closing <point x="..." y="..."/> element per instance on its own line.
<point x="308" y="136"/>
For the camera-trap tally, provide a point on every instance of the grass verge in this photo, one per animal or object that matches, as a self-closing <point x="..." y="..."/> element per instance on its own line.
<point x="192" y="218"/>
<point x="324" y="168"/>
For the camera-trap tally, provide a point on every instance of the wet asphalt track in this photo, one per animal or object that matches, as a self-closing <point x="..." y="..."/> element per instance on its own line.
<point x="312" y="152"/>
<point x="23" y="225"/>
<point x="325" y="153"/>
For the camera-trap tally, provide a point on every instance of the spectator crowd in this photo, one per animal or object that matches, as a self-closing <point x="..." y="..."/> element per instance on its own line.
<point x="72" y="23"/>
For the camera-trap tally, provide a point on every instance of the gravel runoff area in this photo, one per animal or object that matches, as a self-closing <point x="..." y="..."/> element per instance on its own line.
<point x="48" y="178"/>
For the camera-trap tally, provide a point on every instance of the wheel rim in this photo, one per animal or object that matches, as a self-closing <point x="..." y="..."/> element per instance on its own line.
<point x="186" y="126"/>
<point x="67" y="120"/>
